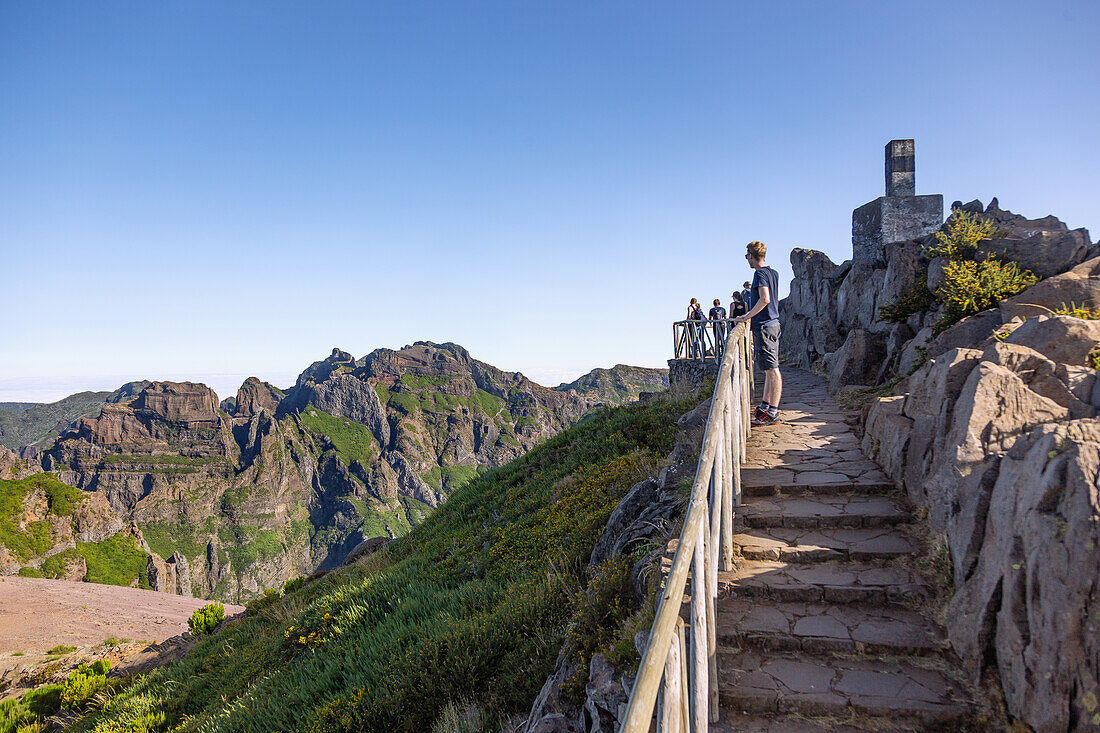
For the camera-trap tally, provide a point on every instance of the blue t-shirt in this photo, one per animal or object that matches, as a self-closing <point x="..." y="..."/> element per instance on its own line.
<point x="768" y="278"/>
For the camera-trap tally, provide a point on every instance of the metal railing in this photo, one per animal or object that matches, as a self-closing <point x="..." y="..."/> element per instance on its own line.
<point x="701" y="339"/>
<point x="683" y="664"/>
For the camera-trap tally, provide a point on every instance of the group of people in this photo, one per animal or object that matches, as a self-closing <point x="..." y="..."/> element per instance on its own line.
<point x="758" y="304"/>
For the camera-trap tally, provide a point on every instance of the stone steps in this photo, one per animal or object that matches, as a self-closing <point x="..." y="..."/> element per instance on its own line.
<point x="827" y="543"/>
<point x="828" y="628"/>
<point x="733" y="722"/>
<point x="833" y="582"/>
<point x="811" y="512"/>
<point x="820" y="487"/>
<point x="767" y="683"/>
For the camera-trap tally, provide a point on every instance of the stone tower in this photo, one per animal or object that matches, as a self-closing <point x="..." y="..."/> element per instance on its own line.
<point x="898" y="216"/>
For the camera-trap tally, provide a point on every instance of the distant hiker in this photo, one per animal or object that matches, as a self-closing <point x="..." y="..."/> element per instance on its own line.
<point x="764" y="316"/>
<point x="695" y="330"/>
<point x="746" y="292"/>
<point x="718" y="318"/>
<point x="738" y="306"/>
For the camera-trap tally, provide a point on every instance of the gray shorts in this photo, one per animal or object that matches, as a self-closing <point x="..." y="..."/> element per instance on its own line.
<point x="766" y="344"/>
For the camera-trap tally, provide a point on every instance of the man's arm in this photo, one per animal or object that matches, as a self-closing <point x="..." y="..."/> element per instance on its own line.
<point x="761" y="304"/>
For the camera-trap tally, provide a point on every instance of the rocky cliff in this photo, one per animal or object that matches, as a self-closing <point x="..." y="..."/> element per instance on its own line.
<point x="228" y="498"/>
<point x="991" y="425"/>
<point x="619" y="384"/>
<point x="32" y="424"/>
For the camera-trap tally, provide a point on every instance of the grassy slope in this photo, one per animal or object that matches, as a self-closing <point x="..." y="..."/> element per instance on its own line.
<point x="472" y="604"/>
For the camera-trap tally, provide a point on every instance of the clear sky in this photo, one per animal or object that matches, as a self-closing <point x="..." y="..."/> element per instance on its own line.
<point x="212" y="190"/>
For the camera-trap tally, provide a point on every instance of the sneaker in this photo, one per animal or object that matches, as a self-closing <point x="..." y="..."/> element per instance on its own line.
<point x="759" y="412"/>
<point x="765" y="419"/>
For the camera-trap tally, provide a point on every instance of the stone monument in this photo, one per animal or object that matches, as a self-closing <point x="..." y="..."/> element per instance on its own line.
<point x="898" y="216"/>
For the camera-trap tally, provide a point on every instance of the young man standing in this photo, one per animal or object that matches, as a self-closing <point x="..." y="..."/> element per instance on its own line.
<point x="764" y="315"/>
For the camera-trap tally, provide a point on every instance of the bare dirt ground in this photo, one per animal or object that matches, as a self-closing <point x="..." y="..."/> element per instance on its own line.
<point x="38" y="614"/>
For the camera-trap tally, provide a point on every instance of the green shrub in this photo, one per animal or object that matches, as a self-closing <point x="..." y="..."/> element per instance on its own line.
<point x="959" y="239"/>
<point x="30" y="573"/>
<point x="1094" y="358"/>
<point x="205" y="619"/>
<point x="84" y="682"/>
<point x="971" y="287"/>
<point x="29" y="712"/>
<point x="61" y="649"/>
<point x="55" y="565"/>
<point x="292" y="585"/>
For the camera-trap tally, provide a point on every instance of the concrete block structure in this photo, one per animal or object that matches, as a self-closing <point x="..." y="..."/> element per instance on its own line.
<point x="900" y="215"/>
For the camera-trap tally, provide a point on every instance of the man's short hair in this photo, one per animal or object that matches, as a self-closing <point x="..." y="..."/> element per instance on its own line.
<point x="717" y="302"/>
<point x="746" y="285"/>
<point x="757" y="250"/>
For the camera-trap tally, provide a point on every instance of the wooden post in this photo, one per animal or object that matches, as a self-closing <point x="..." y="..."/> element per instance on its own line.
<point x="699" y="653"/>
<point x="670" y="715"/>
<point x="685" y="712"/>
<point x="727" y="480"/>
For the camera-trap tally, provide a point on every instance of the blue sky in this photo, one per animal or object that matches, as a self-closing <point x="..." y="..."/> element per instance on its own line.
<point x="213" y="190"/>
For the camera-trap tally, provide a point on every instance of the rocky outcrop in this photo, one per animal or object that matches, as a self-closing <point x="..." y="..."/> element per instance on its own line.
<point x="255" y="395"/>
<point x="618" y="385"/>
<point x="37" y="425"/>
<point x="286" y="484"/>
<point x="1002" y="445"/>
<point x="828" y="302"/>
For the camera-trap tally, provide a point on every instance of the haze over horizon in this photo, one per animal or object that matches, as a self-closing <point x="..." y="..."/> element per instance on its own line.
<point x="209" y="192"/>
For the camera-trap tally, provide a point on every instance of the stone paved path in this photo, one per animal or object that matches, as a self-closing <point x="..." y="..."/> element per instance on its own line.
<point x="819" y="625"/>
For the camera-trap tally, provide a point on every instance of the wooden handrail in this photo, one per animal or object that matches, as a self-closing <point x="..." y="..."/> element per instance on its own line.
<point x="689" y="696"/>
<point x="694" y="338"/>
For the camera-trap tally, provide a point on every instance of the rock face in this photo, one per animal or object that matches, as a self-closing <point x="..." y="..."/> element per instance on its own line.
<point x="618" y="385"/>
<point x="255" y="395"/>
<point x="39" y="424"/>
<point x="289" y="483"/>
<point x="828" y="302"/>
<point x="1002" y="445"/>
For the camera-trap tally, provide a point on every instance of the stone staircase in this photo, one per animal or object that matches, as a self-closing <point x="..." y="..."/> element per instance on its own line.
<point x="820" y="626"/>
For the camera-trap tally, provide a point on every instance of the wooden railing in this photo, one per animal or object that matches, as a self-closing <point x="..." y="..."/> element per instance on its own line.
<point x="680" y="658"/>
<point x="701" y="340"/>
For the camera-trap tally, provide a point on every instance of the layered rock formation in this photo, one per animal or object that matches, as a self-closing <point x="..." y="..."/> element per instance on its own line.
<point x="1002" y="445"/>
<point x="228" y="499"/>
<point x="33" y="424"/>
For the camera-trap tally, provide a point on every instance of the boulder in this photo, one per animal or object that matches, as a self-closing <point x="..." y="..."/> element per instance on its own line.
<point x="1062" y="339"/>
<point x="368" y="546"/>
<point x="606" y="699"/>
<point x="857" y="362"/>
<point x="809" y="313"/>
<point x="1079" y="286"/>
<point x="936" y="275"/>
<point x="1045" y="246"/>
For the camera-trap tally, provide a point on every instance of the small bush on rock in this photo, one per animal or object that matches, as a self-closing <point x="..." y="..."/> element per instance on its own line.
<point x="917" y="300"/>
<point x="959" y="239"/>
<point x="205" y="619"/>
<point x="972" y="287"/>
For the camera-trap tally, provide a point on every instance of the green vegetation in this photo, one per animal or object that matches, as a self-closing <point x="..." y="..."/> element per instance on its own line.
<point x="450" y="478"/>
<point x="959" y="239"/>
<point x="115" y="561"/>
<point x="28" y="572"/>
<point x="60" y="649"/>
<point x="83" y="683"/>
<point x="473" y="604"/>
<point x="1094" y="358"/>
<point x="204" y="620"/>
<point x="28" y="713"/>
<point x="164" y="538"/>
<point x="35" y="539"/>
<point x="55" y="565"/>
<point x="352" y="441"/>
<point x="971" y="287"/>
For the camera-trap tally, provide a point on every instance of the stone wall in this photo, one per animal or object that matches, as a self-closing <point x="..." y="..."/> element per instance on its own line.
<point x="1002" y="445"/>
<point x="688" y="374"/>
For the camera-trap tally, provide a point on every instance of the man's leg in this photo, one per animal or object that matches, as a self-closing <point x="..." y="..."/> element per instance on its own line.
<point x="773" y="387"/>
